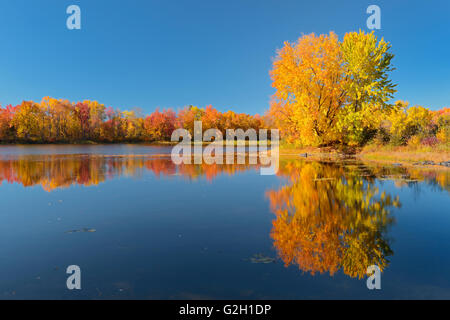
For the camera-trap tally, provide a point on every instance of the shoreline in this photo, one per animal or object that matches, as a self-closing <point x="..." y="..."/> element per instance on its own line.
<point x="387" y="155"/>
<point x="431" y="159"/>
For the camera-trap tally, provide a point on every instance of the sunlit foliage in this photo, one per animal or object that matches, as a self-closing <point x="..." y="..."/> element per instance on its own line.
<point x="339" y="92"/>
<point x="309" y="78"/>
<point x="56" y="121"/>
<point x="367" y="66"/>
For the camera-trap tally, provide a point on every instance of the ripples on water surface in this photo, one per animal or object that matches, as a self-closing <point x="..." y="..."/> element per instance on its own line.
<point x="217" y="231"/>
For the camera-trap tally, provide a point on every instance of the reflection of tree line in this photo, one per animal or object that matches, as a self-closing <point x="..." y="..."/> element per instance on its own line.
<point x="59" y="171"/>
<point x="331" y="217"/>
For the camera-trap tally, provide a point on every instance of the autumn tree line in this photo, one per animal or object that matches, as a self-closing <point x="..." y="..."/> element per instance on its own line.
<point x="327" y="92"/>
<point x="60" y="121"/>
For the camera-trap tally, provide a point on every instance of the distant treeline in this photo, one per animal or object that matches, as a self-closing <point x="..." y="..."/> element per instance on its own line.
<point x="60" y="121"/>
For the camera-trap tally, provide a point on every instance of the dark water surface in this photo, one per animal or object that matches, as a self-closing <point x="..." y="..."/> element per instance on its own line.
<point x="141" y="227"/>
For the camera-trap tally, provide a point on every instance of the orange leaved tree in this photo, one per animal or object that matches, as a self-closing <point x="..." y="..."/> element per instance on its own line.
<point x="310" y="82"/>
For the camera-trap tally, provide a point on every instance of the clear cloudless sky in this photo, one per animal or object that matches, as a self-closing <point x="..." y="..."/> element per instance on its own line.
<point x="165" y="53"/>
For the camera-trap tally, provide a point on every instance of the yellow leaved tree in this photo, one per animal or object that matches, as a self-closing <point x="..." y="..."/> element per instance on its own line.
<point x="367" y="64"/>
<point x="328" y="91"/>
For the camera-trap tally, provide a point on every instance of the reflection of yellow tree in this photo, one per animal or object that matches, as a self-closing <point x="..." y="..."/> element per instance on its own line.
<point x="328" y="218"/>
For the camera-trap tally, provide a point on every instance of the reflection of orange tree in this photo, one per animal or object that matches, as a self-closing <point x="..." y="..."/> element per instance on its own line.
<point x="328" y="218"/>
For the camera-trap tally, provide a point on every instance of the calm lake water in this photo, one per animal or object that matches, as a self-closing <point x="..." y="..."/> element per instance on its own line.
<point x="141" y="227"/>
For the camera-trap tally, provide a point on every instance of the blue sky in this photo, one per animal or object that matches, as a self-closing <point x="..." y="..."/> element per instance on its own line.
<point x="149" y="54"/>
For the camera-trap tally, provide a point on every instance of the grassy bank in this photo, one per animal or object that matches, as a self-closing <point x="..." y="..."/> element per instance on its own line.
<point x="406" y="154"/>
<point x="386" y="153"/>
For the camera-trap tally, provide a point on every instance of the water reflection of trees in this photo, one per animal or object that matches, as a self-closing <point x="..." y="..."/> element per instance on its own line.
<point x="331" y="216"/>
<point x="60" y="171"/>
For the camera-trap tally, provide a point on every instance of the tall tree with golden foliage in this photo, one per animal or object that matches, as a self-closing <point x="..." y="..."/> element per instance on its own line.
<point x="328" y="91"/>
<point x="310" y="83"/>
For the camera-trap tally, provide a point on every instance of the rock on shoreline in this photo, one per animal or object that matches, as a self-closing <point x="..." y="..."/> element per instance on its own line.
<point x="432" y="163"/>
